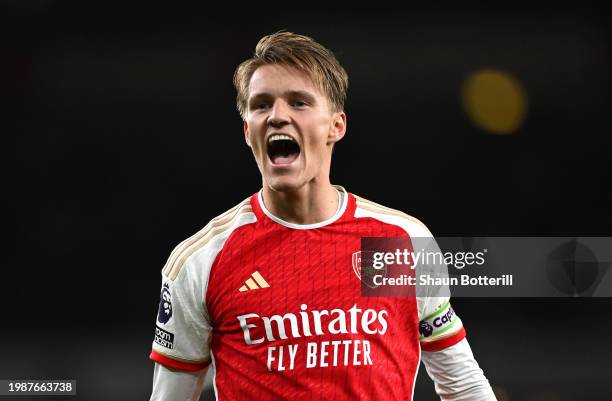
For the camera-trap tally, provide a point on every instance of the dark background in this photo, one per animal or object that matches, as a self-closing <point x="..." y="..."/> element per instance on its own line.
<point x="121" y="139"/>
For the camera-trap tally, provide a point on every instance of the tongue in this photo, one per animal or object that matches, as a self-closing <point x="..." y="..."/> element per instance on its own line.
<point x="284" y="159"/>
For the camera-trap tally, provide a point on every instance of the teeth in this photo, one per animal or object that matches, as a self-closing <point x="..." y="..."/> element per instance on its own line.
<point x="280" y="137"/>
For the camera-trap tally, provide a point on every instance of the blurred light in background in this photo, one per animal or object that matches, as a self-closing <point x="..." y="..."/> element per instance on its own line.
<point x="495" y="101"/>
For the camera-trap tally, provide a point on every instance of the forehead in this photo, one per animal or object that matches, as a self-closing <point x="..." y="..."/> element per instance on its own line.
<point x="276" y="79"/>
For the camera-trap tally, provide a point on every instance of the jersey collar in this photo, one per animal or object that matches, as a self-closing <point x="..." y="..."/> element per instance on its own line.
<point x="343" y="201"/>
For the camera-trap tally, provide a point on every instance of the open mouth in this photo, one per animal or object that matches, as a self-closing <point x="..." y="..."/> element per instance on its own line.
<point x="282" y="149"/>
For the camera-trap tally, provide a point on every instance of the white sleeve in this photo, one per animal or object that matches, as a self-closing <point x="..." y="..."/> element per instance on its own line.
<point x="439" y="325"/>
<point x="183" y="330"/>
<point x="456" y="374"/>
<point x="176" y="385"/>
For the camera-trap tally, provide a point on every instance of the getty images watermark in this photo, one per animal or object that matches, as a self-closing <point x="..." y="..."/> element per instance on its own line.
<point x="485" y="266"/>
<point x="430" y="276"/>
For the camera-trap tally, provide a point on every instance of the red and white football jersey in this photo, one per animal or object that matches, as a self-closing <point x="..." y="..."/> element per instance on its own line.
<point x="277" y="308"/>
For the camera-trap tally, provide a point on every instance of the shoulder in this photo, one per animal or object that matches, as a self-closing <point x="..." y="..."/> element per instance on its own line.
<point x="203" y="246"/>
<point x="413" y="226"/>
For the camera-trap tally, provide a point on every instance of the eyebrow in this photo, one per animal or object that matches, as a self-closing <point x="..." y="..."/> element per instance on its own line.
<point x="303" y="94"/>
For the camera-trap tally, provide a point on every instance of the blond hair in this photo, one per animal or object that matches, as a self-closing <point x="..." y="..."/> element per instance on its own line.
<point x="300" y="52"/>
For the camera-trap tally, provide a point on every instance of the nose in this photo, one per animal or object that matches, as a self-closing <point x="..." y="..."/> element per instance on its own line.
<point x="279" y="114"/>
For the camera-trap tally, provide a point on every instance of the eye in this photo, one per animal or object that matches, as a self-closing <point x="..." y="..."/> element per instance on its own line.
<point x="262" y="106"/>
<point x="299" y="103"/>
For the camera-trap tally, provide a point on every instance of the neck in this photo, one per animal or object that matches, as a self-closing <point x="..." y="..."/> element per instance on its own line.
<point x="307" y="205"/>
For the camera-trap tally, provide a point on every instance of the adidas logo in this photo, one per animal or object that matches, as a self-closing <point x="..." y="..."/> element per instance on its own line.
<point x="255" y="282"/>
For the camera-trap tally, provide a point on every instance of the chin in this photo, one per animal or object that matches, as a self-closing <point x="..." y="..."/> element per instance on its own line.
<point x="283" y="184"/>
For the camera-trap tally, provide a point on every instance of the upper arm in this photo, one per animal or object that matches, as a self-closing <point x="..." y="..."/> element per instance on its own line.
<point x="183" y="329"/>
<point x="439" y="325"/>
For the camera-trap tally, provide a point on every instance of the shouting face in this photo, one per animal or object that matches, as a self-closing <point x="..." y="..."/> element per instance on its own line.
<point x="290" y="127"/>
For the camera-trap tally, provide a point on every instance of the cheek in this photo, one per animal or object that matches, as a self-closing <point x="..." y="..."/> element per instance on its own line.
<point x="317" y="146"/>
<point x="254" y="139"/>
<point x="320" y="134"/>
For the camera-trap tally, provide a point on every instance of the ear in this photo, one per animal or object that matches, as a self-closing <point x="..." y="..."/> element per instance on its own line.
<point x="338" y="128"/>
<point x="247" y="137"/>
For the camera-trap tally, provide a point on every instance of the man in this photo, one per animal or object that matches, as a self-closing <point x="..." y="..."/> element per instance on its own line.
<point x="266" y="292"/>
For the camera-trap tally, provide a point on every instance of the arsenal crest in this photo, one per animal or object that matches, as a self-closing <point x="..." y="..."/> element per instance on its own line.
<point x="363" y="268"/>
